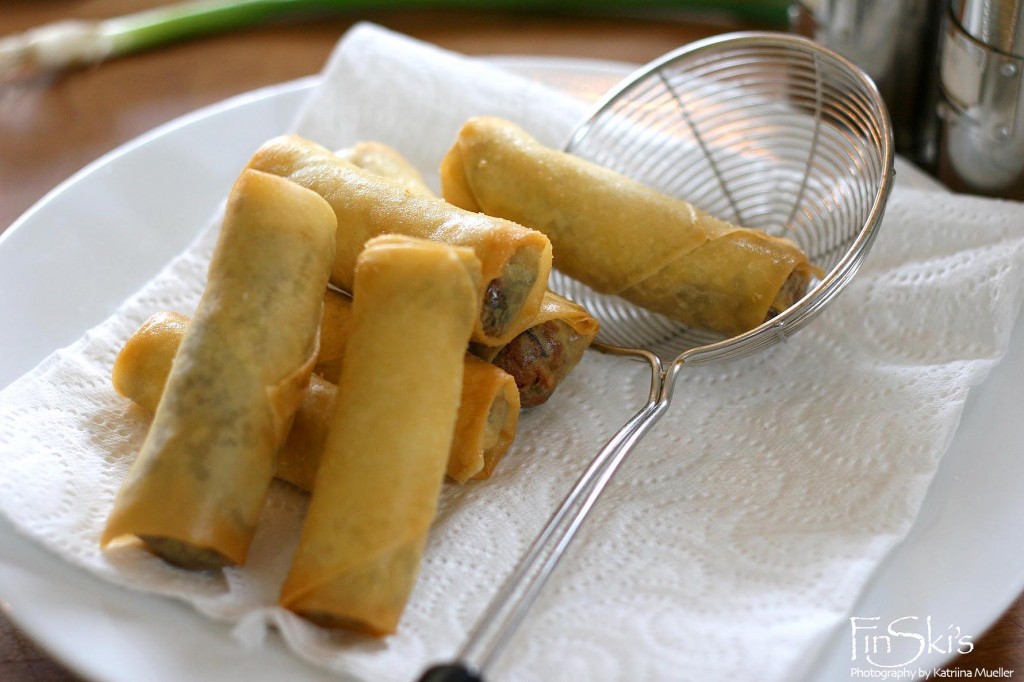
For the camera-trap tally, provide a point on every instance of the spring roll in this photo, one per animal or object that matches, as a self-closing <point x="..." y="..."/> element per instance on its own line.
<point x="299" y="458"/>
<point x="540" y="357"/>
<point x="488" y="409"/>
<point x="486" y="426"/>
<point x="515" y="260"/>
<point x="385" y="161"/>
<point x="141" y="367"/>
<point x="334" y="330"/>
<point x="387" y="448"/>
<point x="623" y="238"/>
<point x="543" y="355"/>
<point x="144" y="362"/>
<point x="195" y="492"/>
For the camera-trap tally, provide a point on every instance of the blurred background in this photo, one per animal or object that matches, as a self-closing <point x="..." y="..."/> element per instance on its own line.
<point x="81" y="114"/>
<point x="949" y="70"/>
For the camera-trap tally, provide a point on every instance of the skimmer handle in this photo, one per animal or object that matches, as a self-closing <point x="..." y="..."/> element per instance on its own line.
<point x="450" y="672"/>
<point x="510" y="605"/>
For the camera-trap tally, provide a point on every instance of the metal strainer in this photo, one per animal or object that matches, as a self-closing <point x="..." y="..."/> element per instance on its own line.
<point x="765" y="130"/>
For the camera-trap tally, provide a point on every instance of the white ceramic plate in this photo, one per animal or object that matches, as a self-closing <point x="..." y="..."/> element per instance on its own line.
<point x="89" y="244"/>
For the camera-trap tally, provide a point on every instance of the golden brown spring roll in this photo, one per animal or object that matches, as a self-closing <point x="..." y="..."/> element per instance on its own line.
<point x="488" y="410"/>
<point x="543" y="355"/>
<point x="623" y="238"/>
<point x="539" y="358"/>
<point x="488" y="417"/>
<point x="385" y="161"/>
<point x="195" y="492"/>
<point x="515" y="260"/>
<point x="334" y="330"/>
<point x="140" y="374"/>
<point x="377" y="489"/>
<point x="141" y="367"/>
<point x="299" y="458"/>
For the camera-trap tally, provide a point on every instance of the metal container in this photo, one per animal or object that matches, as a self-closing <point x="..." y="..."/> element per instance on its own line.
<point x="981" y="100"/>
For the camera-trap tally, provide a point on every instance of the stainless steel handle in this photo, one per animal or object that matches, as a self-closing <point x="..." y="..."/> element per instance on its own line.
<point x="510" y="605"/>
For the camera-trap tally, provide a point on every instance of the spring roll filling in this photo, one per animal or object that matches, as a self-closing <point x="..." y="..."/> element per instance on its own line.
<point x="494" y="440"/>
<point x="793" y="289"/>
<point x="506" y="295"/>
<point x="184" y="554"/>
<point x="539" y="358"/>
<point x="496" y="418"/>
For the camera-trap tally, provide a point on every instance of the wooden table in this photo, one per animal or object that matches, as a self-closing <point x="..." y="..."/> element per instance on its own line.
<point x="51" y="126"/>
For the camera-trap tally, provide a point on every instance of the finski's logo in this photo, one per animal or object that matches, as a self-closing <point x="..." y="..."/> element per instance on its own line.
<point x="897" y="649"/>
<point x="902" y="641"/>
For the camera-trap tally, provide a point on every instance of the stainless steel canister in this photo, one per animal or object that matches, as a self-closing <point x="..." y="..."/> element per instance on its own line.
<point x="981" y="101"/>
<point x="894" y="41"/>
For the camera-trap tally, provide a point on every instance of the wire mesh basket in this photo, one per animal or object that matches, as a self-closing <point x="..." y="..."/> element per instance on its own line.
<point x="765" y="130"/>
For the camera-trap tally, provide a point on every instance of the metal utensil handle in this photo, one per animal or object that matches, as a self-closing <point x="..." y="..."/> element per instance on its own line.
<point x="510" y="605"/>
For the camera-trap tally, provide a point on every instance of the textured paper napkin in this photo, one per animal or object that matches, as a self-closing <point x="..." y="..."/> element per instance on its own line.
<point x="738" y="534"/>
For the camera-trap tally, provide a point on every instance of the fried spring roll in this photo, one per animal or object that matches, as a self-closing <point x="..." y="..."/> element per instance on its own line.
<point x="540" y="357"/>
<point x="140" y="374"/>
<point x="383" y="160"/>
<point x="623" y="238"/>
<point x="488" y="410"/>
<point x="543" y="355"/>
<point x="195" y="492"/>
<point x="377" y="490"/>
<point x="515" y="260"/>
<point x="141" y="367"/>
<point x="488" y="417"/>
<point x="299" y="458"/>
<point x="334" y="331"/>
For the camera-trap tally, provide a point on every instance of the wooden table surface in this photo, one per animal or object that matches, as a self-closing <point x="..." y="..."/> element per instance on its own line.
<point x="53" y="125"/>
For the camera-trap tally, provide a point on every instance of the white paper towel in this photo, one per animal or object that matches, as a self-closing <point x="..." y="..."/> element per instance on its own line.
<point x="741" y="530"/>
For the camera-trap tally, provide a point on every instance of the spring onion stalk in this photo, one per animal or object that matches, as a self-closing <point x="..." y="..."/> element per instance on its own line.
<point x="72" y="43"/>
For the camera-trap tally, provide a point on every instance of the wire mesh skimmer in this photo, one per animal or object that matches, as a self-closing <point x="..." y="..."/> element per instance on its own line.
<point x="766" y="130"/>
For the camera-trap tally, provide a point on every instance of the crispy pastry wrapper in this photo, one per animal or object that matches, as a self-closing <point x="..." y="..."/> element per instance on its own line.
<point x="141" y="367"/>
<point x="195" y="492"/>
<point x="538" y="358"/>
<point x="299" y="458"/>
<point x="541" y="357"/>
<point x="140" y="374"/>
<point x="383" y="160"/>
<point x="488" y="411"/>
<point x="623" y="238"/>
<point x="515" y="260"/>
<point x="486" y="426"/>
<point x="484" y="431"/>
<point x="334" y="331"/>
<point x="387" y="448"/>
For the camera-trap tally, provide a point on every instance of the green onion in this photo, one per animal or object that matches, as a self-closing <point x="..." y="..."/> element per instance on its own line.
<point x="79" y="42"/>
